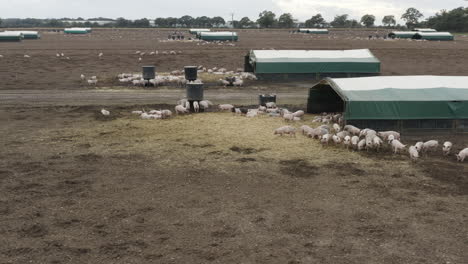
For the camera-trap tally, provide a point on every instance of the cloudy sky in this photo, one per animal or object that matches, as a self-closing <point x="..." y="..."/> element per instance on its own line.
<point x="132" y="9"/>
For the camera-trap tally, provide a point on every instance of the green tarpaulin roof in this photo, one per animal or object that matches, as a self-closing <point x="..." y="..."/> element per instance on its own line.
<point x="314" y="61"/>
<point x="403" y="97"/>
<point x="400" y="34"/>
<point x="362" y="55"/>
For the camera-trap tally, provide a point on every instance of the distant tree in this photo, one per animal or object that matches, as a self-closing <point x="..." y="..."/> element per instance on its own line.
<point x="141" y="23"/>
<point x="266" y="19"/>
<point x="389" y="21"/>
<point x="1" y="22"/>
<point x="453" y="20"/>
<point x="368" y="20"/>
<point x="353" y="23"/>
<point x="316" y="21"/>
<point x="122" y="22"/>
<point x="171" y="21"/>
<point x="340" y="21"/>
<point x="54" y="23"/>
<point x="203" y="21"/>
<point x="186" y="21"/>
<point x="160" y="22"/>
<point x="245" y="22"/>
<point x="286" y="21"/>
<point x="412" y="16"/>
<point x="218" y="21"/>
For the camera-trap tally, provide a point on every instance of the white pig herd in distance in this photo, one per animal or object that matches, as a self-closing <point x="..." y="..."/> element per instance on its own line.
<point x="156" y="52"/>
<point x="137" y="80"/>
<point x="93" y="80"/>
<point x="270" y="110"/>
<point x="215" y="43"/>
<point x="177" y="77"/>
<point x="153" y="114"/>
<point x="352" y="137"/>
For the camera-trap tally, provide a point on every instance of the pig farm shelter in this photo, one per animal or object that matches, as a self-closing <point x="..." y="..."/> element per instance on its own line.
<point x="311" y="64"/>
<point x="405" y="103"/>
<point x="218" y="36"/>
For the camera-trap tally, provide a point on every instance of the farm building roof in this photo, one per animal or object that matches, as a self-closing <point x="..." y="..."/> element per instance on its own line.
<point x="313" y="30"/>
<point x="77" y="30"/>
<point x="363" y="55"/>
<point x="27" y="34"/>
<point x="314" y="61"/>
<point x="11" y="36"/>
<point x="425" y="30"/>
<point x="402" y="97"/>
<point x="433" y="35"/>
<point x="195" y="30"/>
<point x="402" y="34"/>
<point x="220" y="35"/>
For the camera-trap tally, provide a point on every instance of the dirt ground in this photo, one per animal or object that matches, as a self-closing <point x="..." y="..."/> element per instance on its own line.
<point x="45" y="71"/>
<point x="215" y="188"/>
<point x="76" y="187"/>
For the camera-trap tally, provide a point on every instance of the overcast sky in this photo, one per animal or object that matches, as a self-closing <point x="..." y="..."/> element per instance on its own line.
<point x="132" y="9"/>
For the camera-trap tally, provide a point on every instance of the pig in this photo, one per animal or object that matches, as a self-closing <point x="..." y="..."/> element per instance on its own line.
<point x="397" y="145"/>
<point x="362" y="144"/>
<point x="377" y="142"/>
<point x="299" y="113"/>
<point x="271" y="105"/>
<point x="336" y="139"/>
<point x="337" y="128"/>
<point x="413" y="152"/>
<point x="325" y="139"/>
<point x="305" y="129"/>
<point x="179" y="109"/>
<point x="166" y="114"/>
<point x="226" y="107"/>
<point x="289" y="130"/>
<point x="352" y="129"/>
<point x="462" y="155"/>
<point x="419" y="146"/>
<point x="288" y="117"/>
<point x="347" y="141"/>
<point x="447" y="147"/>
<point x="342" y="134"/>
<point x="385" y="134"/>
<point x="430" y="145"/>
<point x="355" y="142"/>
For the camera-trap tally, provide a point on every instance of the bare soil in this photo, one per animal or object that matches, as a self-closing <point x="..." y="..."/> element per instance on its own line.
<point x="77" y="187"/>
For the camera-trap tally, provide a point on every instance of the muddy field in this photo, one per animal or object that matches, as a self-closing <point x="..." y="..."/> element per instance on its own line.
<point x="79" y="188"/>
<point x="45" y="71"/>
<point x="76" y="187"/>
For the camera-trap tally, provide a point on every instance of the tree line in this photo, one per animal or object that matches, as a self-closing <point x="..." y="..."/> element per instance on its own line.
<point x="453" y="20"/>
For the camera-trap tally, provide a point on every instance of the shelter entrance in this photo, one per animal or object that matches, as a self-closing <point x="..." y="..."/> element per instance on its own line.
<point x="323" y="98"/>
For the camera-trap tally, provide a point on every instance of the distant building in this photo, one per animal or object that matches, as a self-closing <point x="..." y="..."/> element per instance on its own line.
<point x="99" y="22"/>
